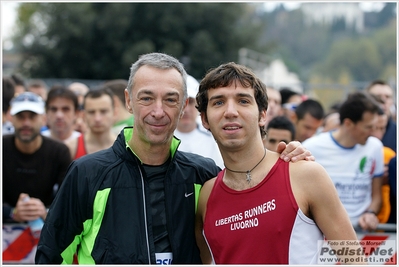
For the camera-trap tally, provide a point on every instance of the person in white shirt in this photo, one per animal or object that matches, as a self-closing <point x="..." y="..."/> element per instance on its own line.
<point x="354" y="159"/>
<point x="194" y="137"/>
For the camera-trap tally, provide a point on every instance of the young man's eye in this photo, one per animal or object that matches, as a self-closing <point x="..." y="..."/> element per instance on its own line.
<point x="218" y="103"/>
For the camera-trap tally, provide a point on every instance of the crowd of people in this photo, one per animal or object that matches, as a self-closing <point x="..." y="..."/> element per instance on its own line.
<point x="133" y="171"/>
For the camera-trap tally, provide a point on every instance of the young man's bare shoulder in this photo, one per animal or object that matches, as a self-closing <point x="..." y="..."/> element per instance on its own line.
<point x="208" y="185"/>
<point x="307" y="170"/>
<point x="204" y="195"/>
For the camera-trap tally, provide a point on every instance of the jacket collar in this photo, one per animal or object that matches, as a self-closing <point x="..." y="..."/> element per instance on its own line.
<point x="126" y="134"/>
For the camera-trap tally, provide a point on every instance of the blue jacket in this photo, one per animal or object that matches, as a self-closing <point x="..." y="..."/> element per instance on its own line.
<point x="99" y="210"/>
<point x="389" y="138"/>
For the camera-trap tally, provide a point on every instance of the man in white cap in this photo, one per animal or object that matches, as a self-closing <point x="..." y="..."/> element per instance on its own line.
<point x="33" y="165"/>
<point x="194" y="137"/>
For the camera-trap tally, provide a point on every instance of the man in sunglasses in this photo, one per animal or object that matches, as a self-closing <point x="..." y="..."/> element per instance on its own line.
<point x="33" y="165"/>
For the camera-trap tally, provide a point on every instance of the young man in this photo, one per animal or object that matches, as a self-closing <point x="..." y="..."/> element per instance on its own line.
<point x="354" y="159"/>
<point x="134" y="203"/>
<point x="62" y="112"/>
<point x="259" y="209"/>
<point x="98" y="115"/>
<point x="33" y="165"/>
<point x="279" y="129"/>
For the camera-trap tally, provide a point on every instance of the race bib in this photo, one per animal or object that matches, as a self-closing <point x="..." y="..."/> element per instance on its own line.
<point x="164" y="258"/>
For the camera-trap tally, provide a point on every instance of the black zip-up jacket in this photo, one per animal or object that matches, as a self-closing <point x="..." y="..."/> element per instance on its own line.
<point x="102" y="211"/>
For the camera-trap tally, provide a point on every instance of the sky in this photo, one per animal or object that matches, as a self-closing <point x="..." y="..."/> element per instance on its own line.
<point x="8" y="12"/>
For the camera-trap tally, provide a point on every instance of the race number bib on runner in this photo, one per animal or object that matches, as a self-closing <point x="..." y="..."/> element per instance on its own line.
<point x="164" y="258"/>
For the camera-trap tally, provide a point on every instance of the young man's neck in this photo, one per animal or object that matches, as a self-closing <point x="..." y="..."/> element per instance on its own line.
<point x="245" y="158"/>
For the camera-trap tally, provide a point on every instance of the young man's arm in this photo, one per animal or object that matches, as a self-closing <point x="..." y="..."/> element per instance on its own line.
<point x="199" y="219"/>
<point x="318" y="199"/>
<point x="369" y="219"/>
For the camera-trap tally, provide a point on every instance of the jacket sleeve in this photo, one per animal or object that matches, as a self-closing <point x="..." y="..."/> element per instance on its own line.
<point x="64" y="223"/>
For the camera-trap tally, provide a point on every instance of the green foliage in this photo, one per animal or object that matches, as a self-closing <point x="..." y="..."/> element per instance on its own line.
<point x="334" y="51"/>
<point x="365" y="58"/>
<point x="102" y="40"/>
<point x="88" y="40"/>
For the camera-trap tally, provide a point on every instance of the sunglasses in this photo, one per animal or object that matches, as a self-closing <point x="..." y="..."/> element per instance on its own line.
<point x="27" y="96"/>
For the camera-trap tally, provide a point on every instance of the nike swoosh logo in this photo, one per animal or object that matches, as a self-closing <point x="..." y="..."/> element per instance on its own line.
<point x="187" y="195"/>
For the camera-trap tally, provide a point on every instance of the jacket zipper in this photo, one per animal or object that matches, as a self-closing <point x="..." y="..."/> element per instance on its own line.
<point x="145" y="217"/>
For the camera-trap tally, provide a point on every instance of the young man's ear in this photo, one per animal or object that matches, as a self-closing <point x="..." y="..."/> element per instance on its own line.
<point x="262" y="118"/>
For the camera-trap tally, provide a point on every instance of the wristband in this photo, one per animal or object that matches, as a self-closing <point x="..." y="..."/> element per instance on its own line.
<point x="371" y="211"/>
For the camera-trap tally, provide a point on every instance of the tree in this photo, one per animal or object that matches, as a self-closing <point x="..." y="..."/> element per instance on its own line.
<point x="101" y="40"/>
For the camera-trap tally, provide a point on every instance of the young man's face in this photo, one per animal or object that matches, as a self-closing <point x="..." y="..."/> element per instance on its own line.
<point x="99" y="114"/>
<point x="61" y="116"/>
<point x="233" y="115"/>
<point x="156" y="103"/>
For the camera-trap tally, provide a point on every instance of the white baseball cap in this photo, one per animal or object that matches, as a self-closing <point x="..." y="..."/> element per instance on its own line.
<point x="27" y="101"/>
<point x="192" y="86"/>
